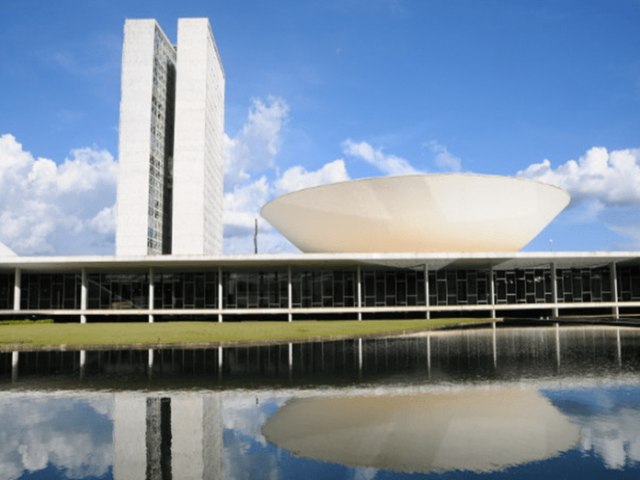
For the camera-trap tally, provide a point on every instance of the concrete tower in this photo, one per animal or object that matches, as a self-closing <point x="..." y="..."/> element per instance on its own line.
<point x="147" y="105"/>
<point x="199" y="129"/>
<point x="170" y="143"/>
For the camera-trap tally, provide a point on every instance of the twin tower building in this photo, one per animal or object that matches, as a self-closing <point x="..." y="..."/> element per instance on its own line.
<point x="170" y="177"/>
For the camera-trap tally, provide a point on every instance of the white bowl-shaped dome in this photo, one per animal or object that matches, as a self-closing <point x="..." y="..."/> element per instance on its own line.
<point x="473" y="430"/>
<point x="417" y="213"/>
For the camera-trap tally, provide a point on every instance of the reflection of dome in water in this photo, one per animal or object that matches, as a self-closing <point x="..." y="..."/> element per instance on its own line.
<point x="417" y="213"/>
<point x="6" y="251"/>
<point x="480" y="431"/>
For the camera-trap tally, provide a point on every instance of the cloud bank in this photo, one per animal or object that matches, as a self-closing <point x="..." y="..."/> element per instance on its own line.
<point x="386" y="164"/>
<point x="444" y="159"/>
<point x="604" y="186"/>
<point x="73" y="435"/>
<point x="48" y="208"/>
<point x="252" y="178"/>
<point x="256" y="145"/>
<point x="613" y="178"/>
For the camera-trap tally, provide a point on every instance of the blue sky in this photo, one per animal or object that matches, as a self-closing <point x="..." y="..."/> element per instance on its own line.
<point x="477" y="86"/>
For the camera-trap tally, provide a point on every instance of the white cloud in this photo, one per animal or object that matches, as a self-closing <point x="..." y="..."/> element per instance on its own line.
<point x="37" y="432"/>
<point x="444" y="159"/>
<point x="252" y="179"/>
<point x="604" y="186"/>
<point x="255" y="147"/>
<point x="51" y="208"/>
<point x="105" y="221"/>
<point x="613" y="436"/>
<point x="244" y="443"/>
<point x="241" y="209"/>
<point x="242" y="206"/>
<point x="296" y="178"/>
<point x="387" y="164"/>
<point x="611" y="177"/>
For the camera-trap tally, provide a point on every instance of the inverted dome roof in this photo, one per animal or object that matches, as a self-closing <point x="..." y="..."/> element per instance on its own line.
<point x="474" y="430"/>
<point x="417" y="213"/>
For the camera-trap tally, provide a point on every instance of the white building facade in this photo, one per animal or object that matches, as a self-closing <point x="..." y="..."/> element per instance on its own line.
<point x="170" y="144"/>
<point x="199" y="127"/>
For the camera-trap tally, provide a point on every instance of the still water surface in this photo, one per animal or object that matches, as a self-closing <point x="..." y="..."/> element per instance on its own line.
<point x="505" y="403"/>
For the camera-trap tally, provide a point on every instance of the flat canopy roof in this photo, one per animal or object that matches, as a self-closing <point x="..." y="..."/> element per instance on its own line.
<point x="434" y="261"/>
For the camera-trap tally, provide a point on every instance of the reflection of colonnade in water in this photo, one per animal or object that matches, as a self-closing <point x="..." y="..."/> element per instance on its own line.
<point x="500" y="350"/>
<point x="170" y="436"/>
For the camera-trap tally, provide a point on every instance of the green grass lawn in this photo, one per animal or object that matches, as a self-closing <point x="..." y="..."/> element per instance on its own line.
<point x="38" y="335"/>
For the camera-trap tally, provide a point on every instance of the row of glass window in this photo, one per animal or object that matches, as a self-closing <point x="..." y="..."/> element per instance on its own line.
<point x="318" y="288"/>
<point x="160" y="165"/>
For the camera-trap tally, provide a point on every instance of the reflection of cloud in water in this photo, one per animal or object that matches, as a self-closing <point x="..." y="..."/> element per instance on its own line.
<point x="71" y="434"/>
<point x="609" y="421"/>
<point x="244" y="443"/>
<point x="246" y="416"/>
<point x="365" y="473"/>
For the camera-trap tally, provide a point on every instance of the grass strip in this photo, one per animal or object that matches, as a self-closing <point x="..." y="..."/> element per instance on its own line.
<point x="26" y="322"/>
<point x="122" y="335"/>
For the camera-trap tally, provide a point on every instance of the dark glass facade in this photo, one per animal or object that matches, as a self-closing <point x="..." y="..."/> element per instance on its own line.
<point x="6" y="291"/>
<point x="584" y="285"/>
<point x="393" y="288"/>
<point x="323" y="288"/>
<point x="50" y="291"/>
<point x="459" y="287"/>
<point x="320" y="288"/>
<point x="255" y="289"/>
<point x="185" y="290"/>
<point x="118" y="290"/>
<point x="629" y="284"/>
<point x="523" y="286"/>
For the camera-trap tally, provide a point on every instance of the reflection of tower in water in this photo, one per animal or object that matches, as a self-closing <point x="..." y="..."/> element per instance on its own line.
<point x="158" y="438"/>
<point x="169" y="437"/>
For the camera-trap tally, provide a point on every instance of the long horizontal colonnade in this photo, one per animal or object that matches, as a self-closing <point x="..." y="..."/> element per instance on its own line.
<point x="321" y="286"/>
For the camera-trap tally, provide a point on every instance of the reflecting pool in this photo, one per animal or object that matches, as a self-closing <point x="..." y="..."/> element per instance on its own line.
<point x="490" y="403"/>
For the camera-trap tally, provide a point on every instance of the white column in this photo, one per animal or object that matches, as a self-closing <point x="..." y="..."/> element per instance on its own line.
<point x="289" y="295"/>
<point x="492" y="293"/>
<point x="220" y="294"/>
<point x="554" y="290"/>
<point x="494" y="344"/>
<point x="429" y="354"/>
<point x="619" y="345"/>
<point x="83" y="362"/>
<point x="359" y="292"/>
<point x="15" y="360"/>
<point x="558" y="344"/>
<point x="17" y="284"/>
<point x="83" y="295"/>
<point x="614" y="289"/>
<point x="426" y="291"/>
<point x="152" y="293"/>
